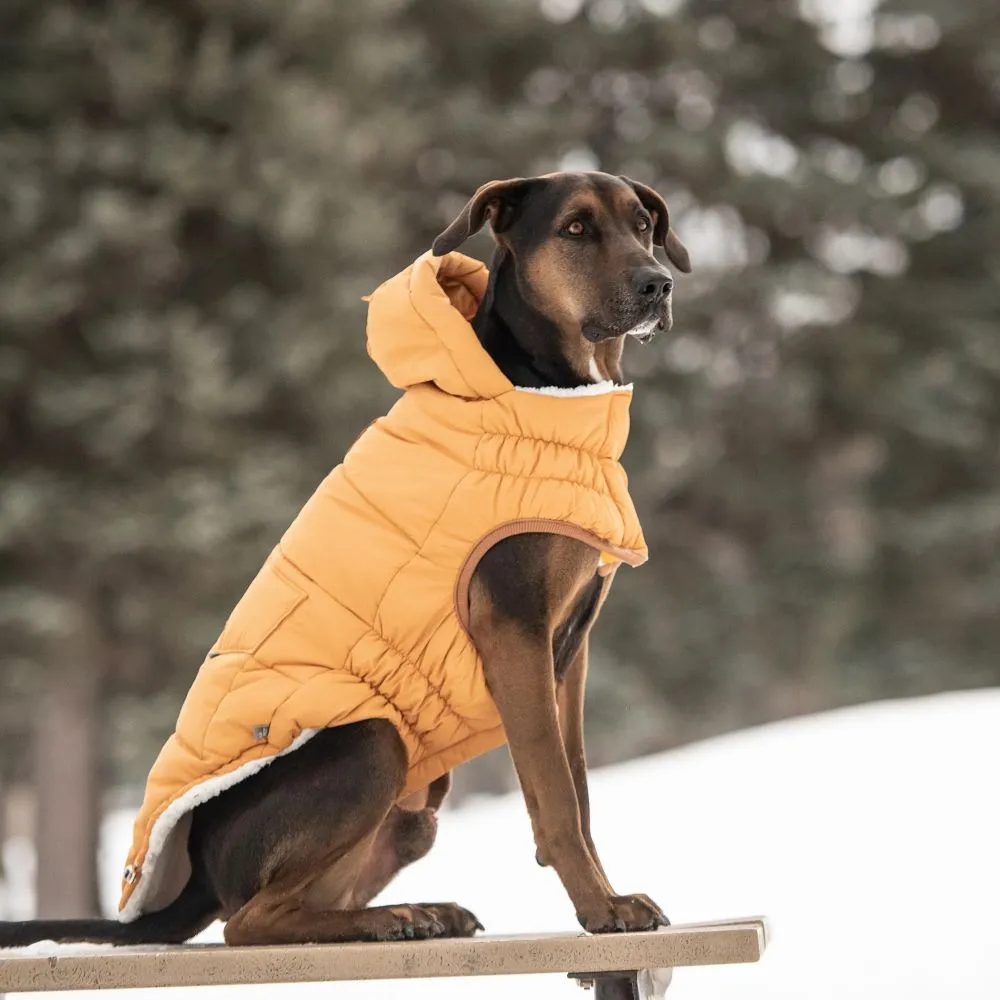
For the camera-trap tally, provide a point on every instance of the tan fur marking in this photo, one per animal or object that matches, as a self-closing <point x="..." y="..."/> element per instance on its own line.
<point x="557" y="290"/>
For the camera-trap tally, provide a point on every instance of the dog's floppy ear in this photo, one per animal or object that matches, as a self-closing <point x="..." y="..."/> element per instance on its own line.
<point x="497" y="201"/>
<point x="663" y="235"/>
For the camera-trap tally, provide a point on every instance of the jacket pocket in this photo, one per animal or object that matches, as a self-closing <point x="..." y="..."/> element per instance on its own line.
<point x="269" y="600"/>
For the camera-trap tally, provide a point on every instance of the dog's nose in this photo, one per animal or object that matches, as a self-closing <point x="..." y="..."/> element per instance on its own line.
<point x="652" y="283"/>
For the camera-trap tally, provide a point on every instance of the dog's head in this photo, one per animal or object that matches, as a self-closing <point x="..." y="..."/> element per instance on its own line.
<point x="581" y="248"/>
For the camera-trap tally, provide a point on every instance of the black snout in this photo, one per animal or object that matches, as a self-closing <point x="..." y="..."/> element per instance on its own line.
<point x="652" y="283"/>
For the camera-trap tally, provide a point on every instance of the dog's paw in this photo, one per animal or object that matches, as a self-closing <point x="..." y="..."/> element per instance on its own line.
<point x="456" y="920"/>
<point x="624" y="913"/>
<point x="404" y="923"/>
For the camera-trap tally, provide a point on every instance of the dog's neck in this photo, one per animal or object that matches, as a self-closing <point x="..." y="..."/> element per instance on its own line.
<point x="522" y="342"/>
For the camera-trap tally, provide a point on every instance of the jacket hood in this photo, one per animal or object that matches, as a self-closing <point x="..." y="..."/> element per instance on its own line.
<point x="419" y="328"/>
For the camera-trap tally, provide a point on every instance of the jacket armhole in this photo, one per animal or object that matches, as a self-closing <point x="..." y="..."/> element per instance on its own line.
<point x="534" y="525"/>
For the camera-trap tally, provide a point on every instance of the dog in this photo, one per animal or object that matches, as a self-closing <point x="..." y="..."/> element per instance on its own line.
<point x="297" y="850"/>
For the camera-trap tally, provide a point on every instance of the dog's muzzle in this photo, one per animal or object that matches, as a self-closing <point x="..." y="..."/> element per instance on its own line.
<point x="652" y="284"/>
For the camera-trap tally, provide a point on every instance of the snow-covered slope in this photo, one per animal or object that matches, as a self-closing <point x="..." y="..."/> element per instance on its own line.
<point x="869" y="837"/>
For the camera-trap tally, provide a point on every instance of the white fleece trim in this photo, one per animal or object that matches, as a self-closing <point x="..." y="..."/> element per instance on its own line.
<point x="593" y="389"/>
<point x="172" y="815"/>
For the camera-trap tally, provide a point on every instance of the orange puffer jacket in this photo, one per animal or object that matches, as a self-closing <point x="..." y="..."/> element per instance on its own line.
<point x="360" y="611"/>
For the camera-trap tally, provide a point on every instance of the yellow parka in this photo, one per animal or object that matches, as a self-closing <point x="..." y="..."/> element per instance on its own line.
<point x="361" y="609"/>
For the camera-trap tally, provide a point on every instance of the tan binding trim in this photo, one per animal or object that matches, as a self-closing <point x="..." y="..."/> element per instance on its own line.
<point x="525" y="526"/>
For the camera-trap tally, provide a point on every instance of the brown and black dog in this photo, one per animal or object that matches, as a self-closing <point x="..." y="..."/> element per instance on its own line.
<point x="297" y="851"/>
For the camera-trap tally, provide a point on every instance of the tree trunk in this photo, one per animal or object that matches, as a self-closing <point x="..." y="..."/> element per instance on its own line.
<point x="4" y="886"/>
<point x="67" y="742"/>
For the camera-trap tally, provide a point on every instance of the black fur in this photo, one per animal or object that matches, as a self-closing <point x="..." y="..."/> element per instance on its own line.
<point x="511" y="331"/>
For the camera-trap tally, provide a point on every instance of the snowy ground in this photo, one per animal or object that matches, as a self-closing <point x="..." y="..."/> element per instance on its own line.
<point x="868" y="836"/>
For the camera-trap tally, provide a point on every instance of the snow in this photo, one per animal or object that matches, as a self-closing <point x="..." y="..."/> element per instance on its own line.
<point x="868" y="836"/>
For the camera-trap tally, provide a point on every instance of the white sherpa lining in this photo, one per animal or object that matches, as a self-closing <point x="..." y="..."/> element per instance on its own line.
<point x="167" y="822"/>
<point x="592" y="389"/>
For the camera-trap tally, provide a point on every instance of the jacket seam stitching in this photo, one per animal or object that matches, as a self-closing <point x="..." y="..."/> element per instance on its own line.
<point x="312" y="680"/>
<point x="593" y="453"/>
<point x="302" y="597"/>
<point x="415" y="732"/>
<point x="550" y="479"/>
<point x="385" y="590"/>
<point x="263" y="666"/>
<point x="218" y="704"/>
<point x="411" y="727"/>
<point x="416" y="668"/>
<point x="370" y="628"/>
<point x="375" y="507"/>
<point x="189" y="747"/>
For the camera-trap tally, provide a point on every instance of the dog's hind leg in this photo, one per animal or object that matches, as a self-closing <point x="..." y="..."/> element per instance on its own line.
<point x="274" y="917"/>
<point x="291" y="849"/>
<point x="405" y="836"/>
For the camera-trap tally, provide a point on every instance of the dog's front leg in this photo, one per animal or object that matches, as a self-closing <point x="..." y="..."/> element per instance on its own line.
<point x="570" y="699"/>
<point x="519" y="672"/>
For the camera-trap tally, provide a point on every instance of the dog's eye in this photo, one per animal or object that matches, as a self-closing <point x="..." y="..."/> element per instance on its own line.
<point x="643" y="225"/>
<point x="575" y="228"/>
